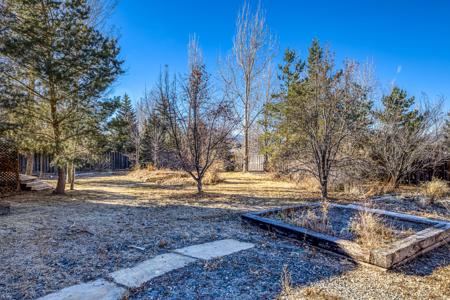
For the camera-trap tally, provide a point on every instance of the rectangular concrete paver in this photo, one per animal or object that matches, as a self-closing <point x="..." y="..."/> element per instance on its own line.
<point x="214" y="249"/>
<point x="145" y="271"/>
<point x="94" y="290"/>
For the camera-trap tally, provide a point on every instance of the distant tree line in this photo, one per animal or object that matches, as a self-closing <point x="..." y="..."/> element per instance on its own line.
<point x="57" y="65"/>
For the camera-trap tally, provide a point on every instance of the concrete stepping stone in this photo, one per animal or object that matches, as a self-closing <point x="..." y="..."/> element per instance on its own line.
<point x="149" y="269"/>
<point x="94" y="290"/>
<point x="214" y="249"/>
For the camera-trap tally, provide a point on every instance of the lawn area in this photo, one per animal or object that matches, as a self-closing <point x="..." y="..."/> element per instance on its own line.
<point x="49" y="242"/>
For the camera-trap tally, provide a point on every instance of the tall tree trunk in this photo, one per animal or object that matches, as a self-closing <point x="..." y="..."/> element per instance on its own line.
<point x="72" y="177"/>
<point x="266" y="162"/>
<point x="30" y="163"/>
<point x="61" y="184"/>
<point x="41" y="165"/>
<point x="324" y="188"/>
<point x="68" y="173"/>
<point x="246" y="150"/>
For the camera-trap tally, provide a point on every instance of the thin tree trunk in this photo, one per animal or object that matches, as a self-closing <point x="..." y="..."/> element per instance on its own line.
<point x="30" y="163"/>
<point x="68" y="173"/>
<point x="246" y="150"/>
<point x="72" y="177"/>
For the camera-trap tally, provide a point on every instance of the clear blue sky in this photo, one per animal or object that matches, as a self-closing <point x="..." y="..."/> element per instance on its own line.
<point x="408" y="41"/>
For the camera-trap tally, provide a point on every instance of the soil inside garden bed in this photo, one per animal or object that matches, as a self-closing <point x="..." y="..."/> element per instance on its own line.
<point x="339" y="221"/>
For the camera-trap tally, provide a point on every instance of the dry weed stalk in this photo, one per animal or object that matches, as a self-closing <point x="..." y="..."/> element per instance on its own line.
<point x="315" y="221"/>
<point x="370" y="231"/>
<point x="286" y="285"/>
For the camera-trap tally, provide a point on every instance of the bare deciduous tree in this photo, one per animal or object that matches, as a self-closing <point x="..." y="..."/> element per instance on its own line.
<point x="246" y="69"/>
<point x="406" y="139"/>
<point x="198" y="122"/>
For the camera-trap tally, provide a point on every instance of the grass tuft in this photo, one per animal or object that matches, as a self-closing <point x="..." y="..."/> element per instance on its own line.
<point x="370" y="231"/>
<point x="435" y="189"/>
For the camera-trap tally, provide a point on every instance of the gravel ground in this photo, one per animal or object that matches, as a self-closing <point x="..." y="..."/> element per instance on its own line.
<point x="340" y="219"/>
<point x="51" y="242"/>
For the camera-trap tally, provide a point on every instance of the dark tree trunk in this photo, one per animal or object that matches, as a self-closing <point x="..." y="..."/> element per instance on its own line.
<point x="324" y="189"/>
<point x="41" y="165"/>
<point x="199" y="186"/>
<point x="61" y="184"/>
<point x="30" y="163"/>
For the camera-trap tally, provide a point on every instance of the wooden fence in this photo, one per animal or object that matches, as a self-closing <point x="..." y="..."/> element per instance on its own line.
<point x="109" y="161"/>
<point x="9" y="168"/>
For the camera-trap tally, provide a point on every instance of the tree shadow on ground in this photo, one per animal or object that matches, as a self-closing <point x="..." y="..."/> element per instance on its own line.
<point x="50" y="242"/>
<point x="427" y="263"/>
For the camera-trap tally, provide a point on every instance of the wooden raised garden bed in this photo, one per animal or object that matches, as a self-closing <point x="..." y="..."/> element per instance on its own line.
<point x="424" y="234"/>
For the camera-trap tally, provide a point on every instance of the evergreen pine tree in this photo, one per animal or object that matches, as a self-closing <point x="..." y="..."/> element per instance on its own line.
<point x="72" y="64"/>
<point x="123" y="127"/>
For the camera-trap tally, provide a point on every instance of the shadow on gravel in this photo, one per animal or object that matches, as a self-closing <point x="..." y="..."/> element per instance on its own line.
<point x="50" y="242"/>
<point x="426" y="264"/>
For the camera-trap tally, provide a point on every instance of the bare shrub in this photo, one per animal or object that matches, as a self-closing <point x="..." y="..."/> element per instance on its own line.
<point x="370" y="231"/>
<point x="435" y="189"/>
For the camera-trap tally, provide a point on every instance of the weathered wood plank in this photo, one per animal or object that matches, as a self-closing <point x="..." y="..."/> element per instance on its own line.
<point x="398" y="253"/>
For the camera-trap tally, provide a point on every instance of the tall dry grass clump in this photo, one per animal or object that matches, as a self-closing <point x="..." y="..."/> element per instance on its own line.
<point x="370" y="231"/>
<point x="316" y="221"/>
<point x="212" y="176"/>
<point x="435" y="189"/>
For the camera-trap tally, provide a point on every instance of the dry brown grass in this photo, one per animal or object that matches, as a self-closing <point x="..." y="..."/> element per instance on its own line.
<point x="370" y="231"/>
<point x="310" y="219"/>
<point x="288" y="292"/>
<point x="162" y="176"/>
<point x="303" y="182"/>
<point x="213" y="175"/>
<point x="317" y="294"/>
<point x="376" y="188"/>
<point x="435" y="189"/>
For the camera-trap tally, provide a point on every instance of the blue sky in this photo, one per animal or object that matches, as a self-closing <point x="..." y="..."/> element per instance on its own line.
<point x="408" y="41"/>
